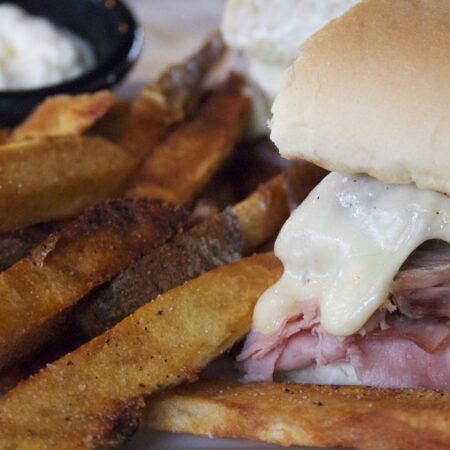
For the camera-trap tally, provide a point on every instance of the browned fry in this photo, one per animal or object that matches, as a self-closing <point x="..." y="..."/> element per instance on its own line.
<point x="86" y="399"/>
<point x="56" y="178"/>
<point x="4" y="134"/>
<point x="220" y="239"/>
<point x="59" y="272"/>
<point x="186" y="160"/>
<point x="264" y="212"/>
<point x="319" y="416"/>
<point x="168" y="100"/>
<point x="64" y="115"/>
<point x="113" y="125"/>
<point x="17" y="244"/>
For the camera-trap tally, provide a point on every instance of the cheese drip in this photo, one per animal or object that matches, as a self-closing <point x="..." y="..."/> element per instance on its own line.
<point x="343" y="247"/>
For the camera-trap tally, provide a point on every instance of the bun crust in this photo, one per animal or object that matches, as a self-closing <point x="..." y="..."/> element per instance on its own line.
<point x="371" y="94"/>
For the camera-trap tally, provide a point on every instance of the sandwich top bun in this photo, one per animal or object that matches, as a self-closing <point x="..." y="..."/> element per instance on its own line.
<point x="370" y="93"/>
<point x="270" y="32"/>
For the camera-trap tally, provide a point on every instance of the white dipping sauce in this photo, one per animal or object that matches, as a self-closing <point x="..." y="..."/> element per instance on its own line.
<point x="35" y="53"/>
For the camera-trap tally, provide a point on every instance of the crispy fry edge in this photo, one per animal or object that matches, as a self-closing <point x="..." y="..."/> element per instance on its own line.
<point x="79" y="401"/>
<point x="305" y="415"/>
<point x="64" y="115"/>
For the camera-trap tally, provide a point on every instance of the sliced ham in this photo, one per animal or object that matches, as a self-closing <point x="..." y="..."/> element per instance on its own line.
<point x="397" y="363"/>
<point x="410" y="353"/>
<point x="422" y="286"/>
<point x="411" y="349"/>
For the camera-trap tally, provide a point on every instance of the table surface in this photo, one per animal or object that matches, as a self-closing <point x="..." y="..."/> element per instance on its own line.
<point x="173" y="29"/>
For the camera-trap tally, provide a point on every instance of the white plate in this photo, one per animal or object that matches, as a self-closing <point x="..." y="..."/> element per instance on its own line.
<point x="152" y="440"/>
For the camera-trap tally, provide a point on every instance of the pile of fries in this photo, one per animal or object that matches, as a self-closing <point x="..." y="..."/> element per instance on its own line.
<point x="128" y="230"/>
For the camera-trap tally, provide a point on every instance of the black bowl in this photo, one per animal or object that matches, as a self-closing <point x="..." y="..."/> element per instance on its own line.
<point x="110" y="28"/>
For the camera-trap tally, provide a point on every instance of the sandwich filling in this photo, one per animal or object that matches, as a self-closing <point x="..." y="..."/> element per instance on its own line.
<point x="359" y="287"/>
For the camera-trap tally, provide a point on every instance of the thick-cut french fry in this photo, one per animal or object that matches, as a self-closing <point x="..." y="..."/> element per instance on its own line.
<point x="186" y="160"/>
<point x="221" y="239"/>
<point x="91" y="250"/>
<point x="113" y="125"/>
<point x="168" y="100"/>
<point x="319" y="416"/>
<point x="261" y="216"/>
<point x="17" y="244"/>
<point x="213" y="243"/>
<point x="86" y="399"/>
<point x="4" y="134"/>
<point x="56" y="178"/>
<point x="64" y="115"/>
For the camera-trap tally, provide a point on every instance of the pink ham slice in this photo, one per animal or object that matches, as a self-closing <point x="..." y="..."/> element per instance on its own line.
<point x="422" y="286"/>
<point x="410" y="353"/>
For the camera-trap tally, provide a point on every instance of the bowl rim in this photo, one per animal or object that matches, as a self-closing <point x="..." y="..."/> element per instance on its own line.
<point x="123" y="57"/>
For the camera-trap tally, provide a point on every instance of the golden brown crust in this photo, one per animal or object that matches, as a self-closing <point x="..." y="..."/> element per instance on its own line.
<point x="64" y="115"/>
<point x="187" y="159"/>
<point x="305" y="415"/>
<point x="77" y="402"/>
<point x="91" y="250"/>
<point x="169" y="99"/>
<point x="4" y="134"/>
<point x="56" y="178"/>
<point x="263" y="213"/>
<point x="370" y="94"/>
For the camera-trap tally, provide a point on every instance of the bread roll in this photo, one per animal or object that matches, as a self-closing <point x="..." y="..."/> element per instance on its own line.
<point x="371" y="93"/>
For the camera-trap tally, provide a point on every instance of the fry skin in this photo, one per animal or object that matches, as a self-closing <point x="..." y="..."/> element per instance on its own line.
<point x="64" y="115"/>
<point x="18" y="244"/>
<point x="87" y="399"/>
<point x="318" y="416"/>
<point x="56" y="178"/>
<point x="182" y="164"/>
<point x="263" y="213"/>
<point x="222" y="238"/>
<point x="169" y="99"/>
<point x="100" y="243"/>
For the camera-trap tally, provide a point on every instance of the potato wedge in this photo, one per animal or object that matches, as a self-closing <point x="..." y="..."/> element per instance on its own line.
<point x="4" y="135"/>
<point x="86" y="399"/>
<point x="56" y="178"/>
<point x="186" y="160"/>
<point x="64" y="115"/>
<point x="91" y="250"/>
<point x="169" y="99"/>
<point x="113" y="125"/>
<point x="261" y="216"/>
<point x="220" y="239"/>
<point x="319" y="416"/>
<point x="18" y="244"/>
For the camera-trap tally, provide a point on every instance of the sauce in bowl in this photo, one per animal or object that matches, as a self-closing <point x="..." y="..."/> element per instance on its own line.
<point x="35" y="53"/>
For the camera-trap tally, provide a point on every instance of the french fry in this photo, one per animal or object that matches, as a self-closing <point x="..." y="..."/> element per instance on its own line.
<point x="18" y="244"/>
<point x="213" y="243"/>
<point x="91" y="250"/>
<point x="56" y="178"/>
<point x="221" y="239"/>
<point x="86" y="399"/>
<point x="4" y="135"/>
<point x="64" y="115"/>
<point x="169" y="99"/>
<point x="113" y="125"/>
<point x="318" y="416"/>
<point x="264" y="212"/>
<point x="186" y="160"/>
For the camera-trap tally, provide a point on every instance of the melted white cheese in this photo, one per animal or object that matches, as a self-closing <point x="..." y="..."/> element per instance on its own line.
<point x="344" y="245"/>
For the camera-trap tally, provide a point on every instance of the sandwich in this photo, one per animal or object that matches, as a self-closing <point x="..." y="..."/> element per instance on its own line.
<point x="365" y="294"/>
<point x="269" y="33"/>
